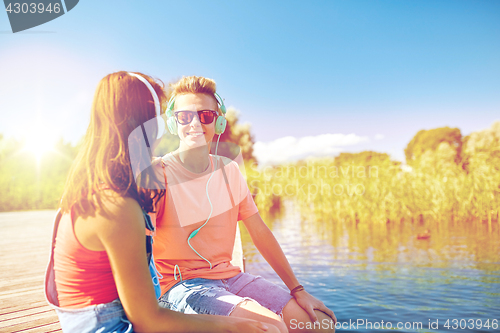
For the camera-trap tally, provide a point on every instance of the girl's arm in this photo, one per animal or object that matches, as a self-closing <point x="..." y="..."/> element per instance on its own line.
<point x="270" y="249"/>
<point x="120" y="232"/>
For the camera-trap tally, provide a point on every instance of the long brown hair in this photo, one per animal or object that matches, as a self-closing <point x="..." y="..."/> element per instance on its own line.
<point x="121" y="103"/>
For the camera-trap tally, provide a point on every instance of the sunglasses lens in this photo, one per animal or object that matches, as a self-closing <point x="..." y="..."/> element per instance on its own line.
<point x="206" y="117"/>
<point x="184" y="117"/>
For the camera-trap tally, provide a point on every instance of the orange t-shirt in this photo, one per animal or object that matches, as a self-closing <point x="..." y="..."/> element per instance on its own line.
<point x="186" y="207"/>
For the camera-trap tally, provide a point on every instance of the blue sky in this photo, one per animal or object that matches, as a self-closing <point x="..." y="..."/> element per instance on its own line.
<point x="378" y="71"/>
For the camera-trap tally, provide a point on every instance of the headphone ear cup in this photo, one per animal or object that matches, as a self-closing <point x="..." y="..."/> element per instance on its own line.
<point x="220" y="125"/>
<point x="172" y="125"/>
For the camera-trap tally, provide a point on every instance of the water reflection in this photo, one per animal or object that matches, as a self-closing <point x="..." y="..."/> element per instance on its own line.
<point x="384" y="272"/>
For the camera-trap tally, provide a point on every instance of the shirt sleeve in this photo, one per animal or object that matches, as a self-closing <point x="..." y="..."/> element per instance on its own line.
<point x="247" y="206"/>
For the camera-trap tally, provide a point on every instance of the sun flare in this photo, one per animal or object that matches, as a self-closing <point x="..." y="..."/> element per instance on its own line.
<point x="39" y="140"/>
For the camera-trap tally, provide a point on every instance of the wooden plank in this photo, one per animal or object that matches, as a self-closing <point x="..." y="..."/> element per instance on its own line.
<point x="19" y="292"/>
<point x="29" y="317"/>
<point x="19" y="307"/>
<point x="18" y="300"/>
<point x="46" y="328"/>
<point x="20" y="278"/>
<point x="35" y="322"/>
<point x="15" y="286"/>
<point x="25" y="312"/>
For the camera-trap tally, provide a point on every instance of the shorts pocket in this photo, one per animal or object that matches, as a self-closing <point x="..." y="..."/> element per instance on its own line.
<point x="167" y="305"/>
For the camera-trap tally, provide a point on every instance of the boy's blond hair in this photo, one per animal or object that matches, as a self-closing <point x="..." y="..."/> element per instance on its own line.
<point x="195" y="85"/>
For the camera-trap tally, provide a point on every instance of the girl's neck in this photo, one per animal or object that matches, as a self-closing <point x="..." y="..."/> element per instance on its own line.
<point x="196" y="159"/>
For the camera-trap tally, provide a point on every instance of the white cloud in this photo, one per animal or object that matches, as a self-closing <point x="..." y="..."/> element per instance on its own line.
<point x="289" y="148"/>
<point x="379" y="136"/>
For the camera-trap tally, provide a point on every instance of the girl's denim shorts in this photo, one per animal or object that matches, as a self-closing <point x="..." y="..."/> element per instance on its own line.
<point x="220" y="297"/>
<point x="108" y="317"/>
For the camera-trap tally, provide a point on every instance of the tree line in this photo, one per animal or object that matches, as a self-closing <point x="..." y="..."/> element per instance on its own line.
<point x="446" y="176"/>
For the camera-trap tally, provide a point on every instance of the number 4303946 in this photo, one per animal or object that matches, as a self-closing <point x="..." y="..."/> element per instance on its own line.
<point x="33" y="8"/>
<point x="471" y="324"/>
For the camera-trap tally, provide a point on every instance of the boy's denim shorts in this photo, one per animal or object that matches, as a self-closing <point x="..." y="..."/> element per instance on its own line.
<point x="220" y="297"/>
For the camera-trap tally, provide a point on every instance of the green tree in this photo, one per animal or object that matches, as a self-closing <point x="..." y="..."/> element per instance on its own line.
<point x="26" y="183"/>
<point x="482" y="146"/>
<point x="430" y="139"/>
<point x="239" y="134"/>
<point x="364" y="158"/>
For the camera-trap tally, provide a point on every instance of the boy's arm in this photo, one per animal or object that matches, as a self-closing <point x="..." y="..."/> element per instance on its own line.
<point x="270" y="249"/>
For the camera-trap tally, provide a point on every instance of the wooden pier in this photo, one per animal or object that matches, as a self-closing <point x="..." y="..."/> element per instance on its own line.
<point x="24" y="254"/>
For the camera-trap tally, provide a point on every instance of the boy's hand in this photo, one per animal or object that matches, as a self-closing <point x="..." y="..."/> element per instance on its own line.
<point x="310" y="303"/>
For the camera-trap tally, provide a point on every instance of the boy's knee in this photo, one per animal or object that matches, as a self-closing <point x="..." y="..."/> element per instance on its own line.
<point x="310" y="327"/>
<point x="248" y="309"/>
<point x="274" y="328"/>
<point x="281" y="327"/>
<point x="326" y="324"/>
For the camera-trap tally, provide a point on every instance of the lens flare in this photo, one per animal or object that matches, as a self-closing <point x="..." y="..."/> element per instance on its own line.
<point x="39" y="140"/>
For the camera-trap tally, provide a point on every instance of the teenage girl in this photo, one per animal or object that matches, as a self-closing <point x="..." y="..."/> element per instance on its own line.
<point x="196" y="223"/>
<point x="98" y="277"/>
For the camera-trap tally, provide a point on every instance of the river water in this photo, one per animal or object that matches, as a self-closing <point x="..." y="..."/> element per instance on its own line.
<point x="377" y="276"/>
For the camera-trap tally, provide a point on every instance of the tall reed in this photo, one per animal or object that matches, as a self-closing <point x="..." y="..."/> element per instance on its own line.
<point x="370" y="188"/>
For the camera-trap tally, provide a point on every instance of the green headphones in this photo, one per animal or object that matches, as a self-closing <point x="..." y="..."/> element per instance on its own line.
<point x="220" y="122"/>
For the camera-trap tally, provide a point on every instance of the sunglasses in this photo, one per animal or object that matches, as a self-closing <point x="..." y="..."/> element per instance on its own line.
<point x="205" y="116"/>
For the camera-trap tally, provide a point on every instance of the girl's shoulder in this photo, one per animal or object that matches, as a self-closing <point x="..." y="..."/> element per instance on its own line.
<point x="114" y="207"/>
<point x="114" y="215"/>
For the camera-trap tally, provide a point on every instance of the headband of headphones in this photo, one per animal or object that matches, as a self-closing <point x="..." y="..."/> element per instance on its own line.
<point x="171" y="102"/>
<point x="156" y="100"/>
